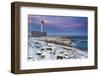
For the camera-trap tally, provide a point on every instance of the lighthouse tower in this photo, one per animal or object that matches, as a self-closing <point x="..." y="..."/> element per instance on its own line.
<point x="40" y="33"/>
<point x="42" y="25"/>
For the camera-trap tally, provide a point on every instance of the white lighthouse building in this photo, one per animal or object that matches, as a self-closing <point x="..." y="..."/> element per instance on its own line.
<point x="40" y="33"/>
<point x="42" y="25"/>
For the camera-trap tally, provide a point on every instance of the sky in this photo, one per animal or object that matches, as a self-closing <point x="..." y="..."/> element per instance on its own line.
<point x="59" y="25"/>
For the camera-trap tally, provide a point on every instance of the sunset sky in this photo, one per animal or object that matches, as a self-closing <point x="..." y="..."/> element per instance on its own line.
<point x="59" y="25"/>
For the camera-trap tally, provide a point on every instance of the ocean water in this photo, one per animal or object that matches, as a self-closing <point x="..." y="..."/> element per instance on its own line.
<point x="80" y="42"/>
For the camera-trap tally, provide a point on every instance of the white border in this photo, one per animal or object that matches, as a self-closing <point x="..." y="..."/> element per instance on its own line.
<point x="24" y="64"/>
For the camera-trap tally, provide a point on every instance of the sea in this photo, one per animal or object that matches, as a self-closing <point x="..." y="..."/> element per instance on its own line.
<point x="80" y="42"/>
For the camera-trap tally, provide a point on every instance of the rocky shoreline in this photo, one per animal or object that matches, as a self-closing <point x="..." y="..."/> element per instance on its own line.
<point x="39" y="49"/>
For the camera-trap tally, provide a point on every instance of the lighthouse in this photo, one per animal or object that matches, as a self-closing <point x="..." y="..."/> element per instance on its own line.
<point x="40" y="33"/>
<point x="42" y="24"/>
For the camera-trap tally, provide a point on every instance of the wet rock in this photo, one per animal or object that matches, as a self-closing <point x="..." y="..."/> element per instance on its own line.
<point x="59" y="57"/>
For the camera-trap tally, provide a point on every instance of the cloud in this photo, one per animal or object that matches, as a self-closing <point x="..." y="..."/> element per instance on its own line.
<point x="59" y="22"/>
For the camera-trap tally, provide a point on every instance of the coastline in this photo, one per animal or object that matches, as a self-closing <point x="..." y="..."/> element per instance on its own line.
<point x="51" y="51"/>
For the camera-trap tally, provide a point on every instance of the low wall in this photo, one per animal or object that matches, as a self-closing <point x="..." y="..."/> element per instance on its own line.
<point x="38" y="34"/>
